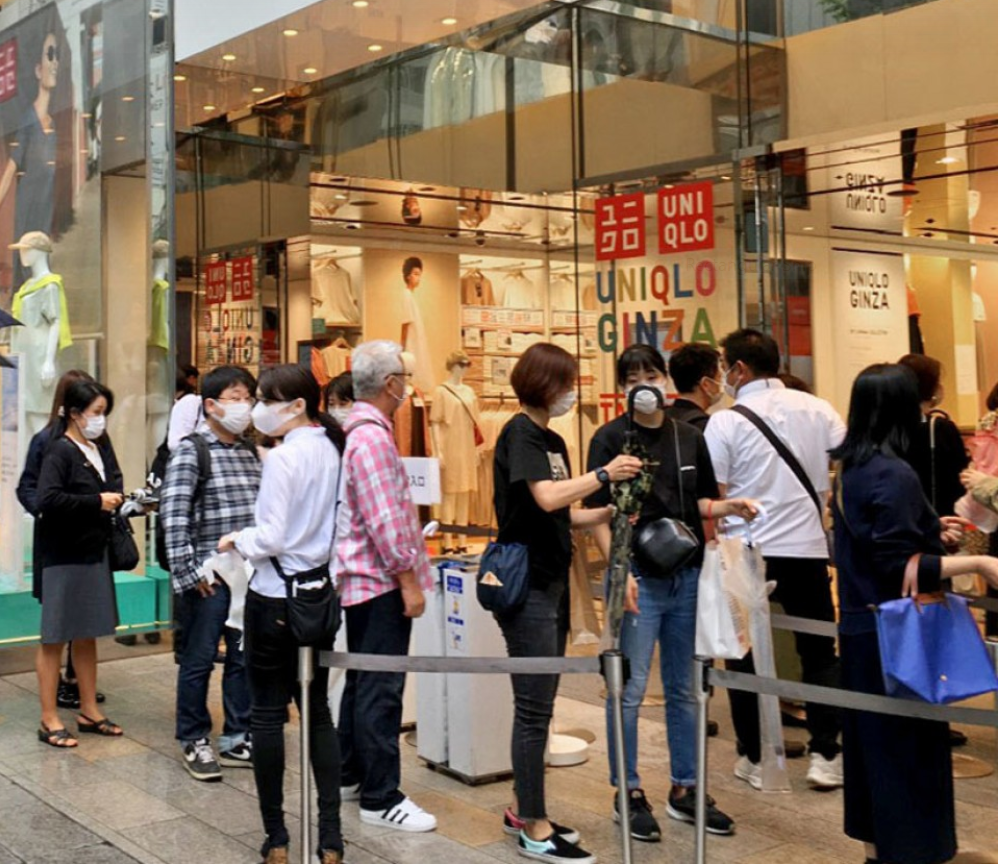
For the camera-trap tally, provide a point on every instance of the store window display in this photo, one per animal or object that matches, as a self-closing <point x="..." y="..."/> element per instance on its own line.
<point x="457" y="435"/>
<point x="159" y="391"/>
<point x="333" y="296"/>
<point x="40" y="305"/>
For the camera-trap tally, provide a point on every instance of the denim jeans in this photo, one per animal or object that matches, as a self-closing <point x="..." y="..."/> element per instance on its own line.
<point x="536" y="630"/>
<point x="372" y="706"/>
<point x="667" y="613"/>
<point x="203" y="621"/>
<point x="272" y="655"/>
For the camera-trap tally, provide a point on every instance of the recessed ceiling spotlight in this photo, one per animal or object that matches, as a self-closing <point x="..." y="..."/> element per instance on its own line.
<point x="208" y="107"/>
<point x="310" y="70"/>
<point x="257" y="89"/>
<point x="947" y="160"/>
<point x="289" y="31"/>
<point x="359" y="4"/>
<point x="119" y="138"/>
<point x="808" y="228"/>
<point x="128" y="99"/>
<point x="341" y="196"/>
<point x="229" y="57"/>
<point x="725" y="177"/>
<point x="374" y="47"/>
<point x="179" y="77"/>
<point x="449" y="21"/>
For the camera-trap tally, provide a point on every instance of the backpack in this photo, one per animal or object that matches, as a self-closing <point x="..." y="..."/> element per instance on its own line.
<point x="204" y="472"/>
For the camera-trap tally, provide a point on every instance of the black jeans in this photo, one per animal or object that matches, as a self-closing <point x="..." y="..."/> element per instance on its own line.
<point x="803" y="590"/>
<point x="536" y="630"/>
<point x="272" y="658"/>
<point x="371" y="709"/>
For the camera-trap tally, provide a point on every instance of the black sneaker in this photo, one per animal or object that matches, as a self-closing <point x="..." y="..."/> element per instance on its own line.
<point x="199" y="760"/>
<point x="552" y="849"/>
<point x="240" y="757"/>
<point x="682" y="808"/>
<point x="512" y="825"/>
<point x="641" y="822"/>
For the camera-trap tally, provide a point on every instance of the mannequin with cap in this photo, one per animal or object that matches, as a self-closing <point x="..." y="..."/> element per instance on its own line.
<point x="159" y="378"/>
<point x="455" y="428"/>
<point x="40" y="305"/>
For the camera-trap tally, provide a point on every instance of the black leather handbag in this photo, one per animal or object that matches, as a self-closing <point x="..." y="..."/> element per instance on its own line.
<point x="123" y="554"/>
<point x="664" y="546"/>
<point x="311" y="604"/>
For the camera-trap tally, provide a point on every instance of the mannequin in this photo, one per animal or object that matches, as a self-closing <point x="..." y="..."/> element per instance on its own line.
<point x="159" y="381"/>
<point x="40" y="305"/>
<point x="454" y="424"/>
<point x="413" y="337"/>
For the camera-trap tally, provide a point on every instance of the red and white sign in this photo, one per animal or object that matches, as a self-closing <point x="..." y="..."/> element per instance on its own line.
<point x="243" y="278"/>
<point x="215" y="282"/>
<point x="685" y="220"/>
<point x="620" y="230"/>
<point x="8" y="70"/>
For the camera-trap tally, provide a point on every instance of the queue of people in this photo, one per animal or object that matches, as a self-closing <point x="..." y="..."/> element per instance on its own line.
<point x="331" y="500"/>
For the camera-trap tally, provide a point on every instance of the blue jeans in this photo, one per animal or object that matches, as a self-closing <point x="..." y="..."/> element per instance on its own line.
<point x="668" y="609"/>
<point x="203" y="623"/>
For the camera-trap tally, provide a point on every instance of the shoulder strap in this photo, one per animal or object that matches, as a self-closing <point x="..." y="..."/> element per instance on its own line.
<point x="933" y="438"/>
<point x="463" y="403"/>
<point x="784" y="453"/>
<point x="204" y="456"/>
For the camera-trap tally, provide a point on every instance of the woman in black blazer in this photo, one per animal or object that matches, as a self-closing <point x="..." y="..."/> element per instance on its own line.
<point x="78" y="490"/>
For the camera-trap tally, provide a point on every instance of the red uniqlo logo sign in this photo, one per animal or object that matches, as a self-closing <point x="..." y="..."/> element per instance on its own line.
<point x="243" y="278"/>
<point x="685" y="220"/>
<point x="620" y="227"/>
<point x="8" y="70"/>
<point x="215" y="282"/>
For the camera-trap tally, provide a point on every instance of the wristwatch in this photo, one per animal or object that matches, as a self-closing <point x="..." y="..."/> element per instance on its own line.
<point x="602" y="475"/>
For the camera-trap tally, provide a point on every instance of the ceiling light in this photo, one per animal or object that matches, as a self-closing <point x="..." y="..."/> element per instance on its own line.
<point x="290" y="31"/>
<point x="208" y="107"/>
<point x="310" y="70"/>
<point x="808" y="228"/>
<point x="119" y="138"/>
<point x="257" y="89"/>
<point x="128" y="99"/>
<point x="179" y="77"/>
<point x="229" y="58"/>
<point x="725" y="177"/>
<point x="947" y="160"/>
<point x="359" y="4"/>
<point x="449" y="21"/>
<point x="341" y="196"/>
<point x="374" y="47"/>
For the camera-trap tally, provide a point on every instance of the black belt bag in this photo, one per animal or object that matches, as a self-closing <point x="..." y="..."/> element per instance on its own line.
<point x="312" y="604"/>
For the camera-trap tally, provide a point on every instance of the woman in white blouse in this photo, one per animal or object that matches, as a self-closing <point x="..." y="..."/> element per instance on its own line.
<point x="295" y="521"/>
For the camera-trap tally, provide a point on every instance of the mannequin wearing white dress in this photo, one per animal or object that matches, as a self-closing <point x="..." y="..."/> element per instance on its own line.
<point x="454" y="421"/>
<point x="159" y="379"/>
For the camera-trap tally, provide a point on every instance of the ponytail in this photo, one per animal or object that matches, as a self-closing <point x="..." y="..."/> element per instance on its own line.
<point x="334" y="431"/>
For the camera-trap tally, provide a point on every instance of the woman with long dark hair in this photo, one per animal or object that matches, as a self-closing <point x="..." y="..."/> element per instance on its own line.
<point x="77" y="493"/>
<point x="898" y="794"/>
<point x="293" y="534"/>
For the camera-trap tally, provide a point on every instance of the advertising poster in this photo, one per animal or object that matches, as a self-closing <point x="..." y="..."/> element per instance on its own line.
<point x="861" y="178"/>
<point x="869" y="313"/>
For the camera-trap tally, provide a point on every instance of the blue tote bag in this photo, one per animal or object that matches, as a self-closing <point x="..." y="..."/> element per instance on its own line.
<point x="502" y="583"/>
<point x="932" y="650"/>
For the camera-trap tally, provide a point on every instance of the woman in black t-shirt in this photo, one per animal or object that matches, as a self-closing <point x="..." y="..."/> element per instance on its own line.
<point x="533" y="494"/>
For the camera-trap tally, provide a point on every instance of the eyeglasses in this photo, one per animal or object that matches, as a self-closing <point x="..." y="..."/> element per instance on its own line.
<point x="52" y="53"/>
<point x="400" y="374"/>
<point x="249" y="400"/>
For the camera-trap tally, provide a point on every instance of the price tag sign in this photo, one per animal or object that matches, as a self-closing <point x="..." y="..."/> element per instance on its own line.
<point x="424" y="474"/>
<point x="215" y="282"/>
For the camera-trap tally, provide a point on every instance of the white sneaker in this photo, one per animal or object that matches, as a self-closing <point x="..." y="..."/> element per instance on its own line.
<point x="749" y="772"/>
<point x="351" y="793"/>
<point x="407" y="816"/>
<point x="825" y="774"/>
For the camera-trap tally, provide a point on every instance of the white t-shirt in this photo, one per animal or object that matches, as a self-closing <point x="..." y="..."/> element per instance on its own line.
<point x="750" y="467"/>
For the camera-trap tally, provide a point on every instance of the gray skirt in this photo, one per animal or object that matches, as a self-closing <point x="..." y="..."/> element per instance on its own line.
<point x="78" y="602"/>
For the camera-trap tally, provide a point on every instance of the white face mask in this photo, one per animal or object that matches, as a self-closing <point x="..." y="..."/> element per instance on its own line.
<point x="94" y="426"/>
<point x="235" y="417"/>
<point x="715" y="396"/>
<point x="271" y="418"/>
<point x="646" y="401"/>
<point x="563" y="405"/>
<point x="340" y="415"/>
<point x="730" y="389"/>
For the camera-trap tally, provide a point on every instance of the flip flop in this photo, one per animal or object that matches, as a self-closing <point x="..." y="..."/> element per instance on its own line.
<point x="56" y="738"/>
<point x="103" y="727"/>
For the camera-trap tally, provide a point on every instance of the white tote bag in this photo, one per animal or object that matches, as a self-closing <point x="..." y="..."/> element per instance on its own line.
<point x="723" y="627"/>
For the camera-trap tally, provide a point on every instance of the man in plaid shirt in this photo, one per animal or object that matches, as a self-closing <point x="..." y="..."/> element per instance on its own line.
<point x="382" y="571"/>
<point x="196" y="511"/>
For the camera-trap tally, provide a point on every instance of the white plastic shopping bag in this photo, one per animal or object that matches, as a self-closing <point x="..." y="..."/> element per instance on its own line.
<point x="234" y="571"/>
<point x="723" y="627"/>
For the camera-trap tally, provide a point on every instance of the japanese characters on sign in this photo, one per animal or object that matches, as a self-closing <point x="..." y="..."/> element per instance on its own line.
<point x="243" y="278"/>
<point x="215" y="282"/>
<point x="620" y="230"/>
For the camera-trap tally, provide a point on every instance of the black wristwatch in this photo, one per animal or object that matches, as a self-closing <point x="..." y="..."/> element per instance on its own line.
<point x="602" y="475"/>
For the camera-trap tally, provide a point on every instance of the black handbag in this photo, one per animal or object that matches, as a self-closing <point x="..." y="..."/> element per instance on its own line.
<point x="123" y="554"/>
<point x="664" y="546"/>
<point x="502" y="583"/>
<point x="311" y="604"/>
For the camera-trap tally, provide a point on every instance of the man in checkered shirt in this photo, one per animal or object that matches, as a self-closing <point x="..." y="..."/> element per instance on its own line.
<point x="196" y="511"/>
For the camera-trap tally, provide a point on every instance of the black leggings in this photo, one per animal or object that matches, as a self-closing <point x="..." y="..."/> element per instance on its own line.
<point x="272" y="663"/>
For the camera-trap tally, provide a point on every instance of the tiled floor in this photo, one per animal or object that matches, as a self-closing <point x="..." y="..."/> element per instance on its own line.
<point x="130" y="800"/>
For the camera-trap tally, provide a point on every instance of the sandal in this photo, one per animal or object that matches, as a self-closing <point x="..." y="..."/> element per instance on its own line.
<point x="56" y="738"/>
<point x="103" y="727"/>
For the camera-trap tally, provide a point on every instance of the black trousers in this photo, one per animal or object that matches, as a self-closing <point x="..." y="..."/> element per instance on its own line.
<point x="272" y="661"/>
<point x="371" y="709"/>
<point x="803" y="590"/>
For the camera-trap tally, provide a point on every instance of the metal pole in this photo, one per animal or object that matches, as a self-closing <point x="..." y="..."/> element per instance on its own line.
<point x="701" y="666"/>
<point x="614" y="677"/>
<point x="305" y="680"/>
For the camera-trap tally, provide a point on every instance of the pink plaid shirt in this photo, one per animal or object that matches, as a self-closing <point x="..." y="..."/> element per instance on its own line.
<point x="378" y="534"/>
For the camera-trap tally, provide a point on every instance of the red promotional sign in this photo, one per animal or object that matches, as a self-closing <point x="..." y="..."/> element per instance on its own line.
<point x="685" y="221"/>
<point x="243" y="278"/>
<point x="215" y="282"/>
<point x="8" y="70"/>
<point x="620" y="230"/>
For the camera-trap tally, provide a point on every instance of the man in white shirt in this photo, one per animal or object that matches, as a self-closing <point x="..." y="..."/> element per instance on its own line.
<point x="791" y="536"/>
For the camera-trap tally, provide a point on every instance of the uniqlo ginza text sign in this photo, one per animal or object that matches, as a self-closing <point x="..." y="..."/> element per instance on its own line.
<point x="620" y="227"/>
<point x="685" y="221"/>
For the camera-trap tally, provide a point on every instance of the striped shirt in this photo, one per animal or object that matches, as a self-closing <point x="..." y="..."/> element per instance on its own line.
<point x="225" y="504"/>
<point x="378" y="534"/>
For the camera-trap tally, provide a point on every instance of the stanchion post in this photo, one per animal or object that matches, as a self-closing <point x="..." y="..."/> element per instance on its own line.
<point x="613" y="667"/>
<point x="701" y="666"/>
<point x="305" y="680"/>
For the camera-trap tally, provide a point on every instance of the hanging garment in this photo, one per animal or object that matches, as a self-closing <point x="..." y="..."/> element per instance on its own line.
<point x="333" y="295"/>
<point x="477" y="290"/>
<point x="455" y="415"/>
